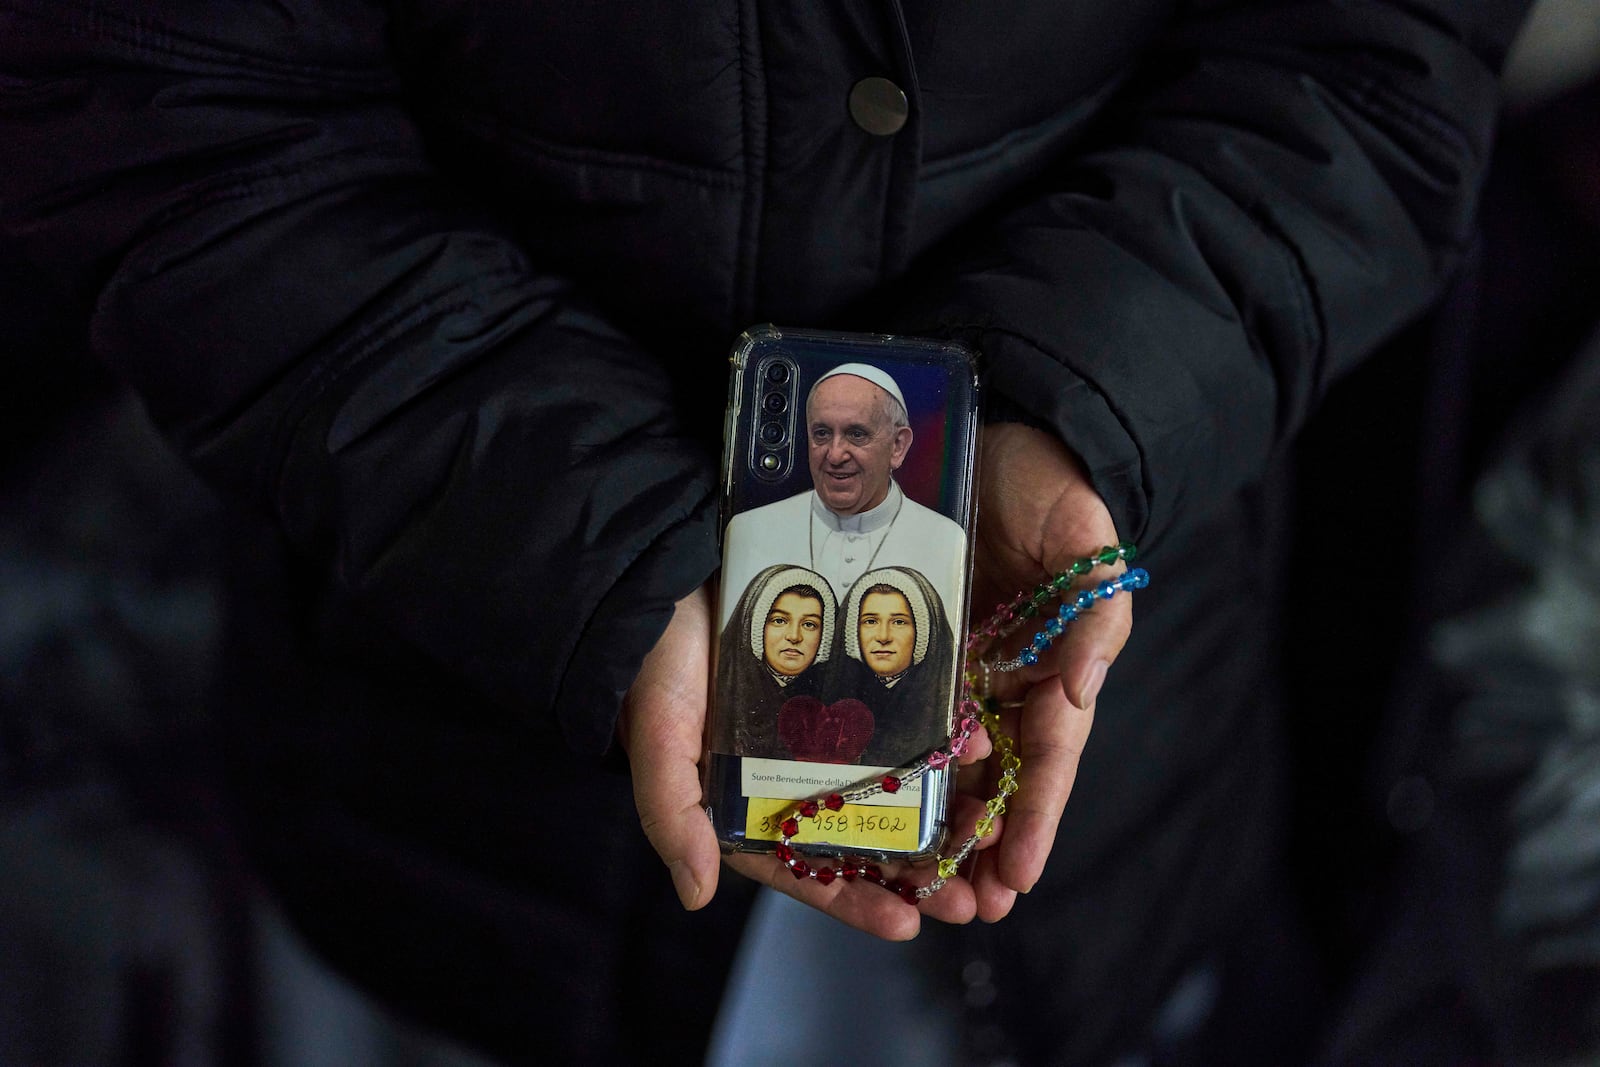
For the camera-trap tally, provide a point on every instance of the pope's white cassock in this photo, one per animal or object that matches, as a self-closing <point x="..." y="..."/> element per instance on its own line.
<point x="801" y="530"/>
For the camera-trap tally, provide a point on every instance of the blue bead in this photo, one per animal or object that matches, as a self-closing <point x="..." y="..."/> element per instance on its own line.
<point x="1106" y="591"/>
<point x="1068" y="612"/>
<point x="1140" y="576"/>
<point x="1053" y="628"/>
<point x="1028" y="658"/>
<point x="1085" y="600"/>
<point x="1041" y="642"/>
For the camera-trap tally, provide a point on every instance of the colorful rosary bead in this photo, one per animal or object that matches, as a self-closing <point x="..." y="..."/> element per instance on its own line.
<point x="972" y="715"/>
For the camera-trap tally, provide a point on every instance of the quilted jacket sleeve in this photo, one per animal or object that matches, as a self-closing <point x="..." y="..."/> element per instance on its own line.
<point x="242" y="211"/>
<point x="1278" y="189"/>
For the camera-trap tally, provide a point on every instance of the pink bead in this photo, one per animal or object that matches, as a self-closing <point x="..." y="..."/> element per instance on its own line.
<point x="958" y="745"/>
<point x="938" y="759"/>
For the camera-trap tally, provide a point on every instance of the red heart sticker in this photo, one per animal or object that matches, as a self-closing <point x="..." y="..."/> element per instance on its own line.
<point x="825" y="733"/>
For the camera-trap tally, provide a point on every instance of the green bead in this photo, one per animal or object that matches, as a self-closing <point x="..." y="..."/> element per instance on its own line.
<point x="1129" y="550"/>
<point x="1108" y="555"/>
<point x="985" y="827"/>
<point x="1027" y="611"/>
<point x="1083" y="566"/>
<point x="1041" y="595"/>
<point x="1062" y="580"/>
<point x="947" y="868"/>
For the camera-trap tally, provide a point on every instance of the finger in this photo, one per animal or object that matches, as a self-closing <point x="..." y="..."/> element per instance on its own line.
<point x="955" y="903"/>
<point x="666" y="790"/>
<point x="1081" y="656"/>
<point x="978" y="748"/>
<point x="1090" y="646"/>
<point x="1052" y="734"/>
<point x="865" y="907"/>
<point x="994" y="898"/>
<point x="662" y="723"/>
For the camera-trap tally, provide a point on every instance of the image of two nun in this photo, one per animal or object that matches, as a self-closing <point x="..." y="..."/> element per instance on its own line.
<point x="867" y="681"/>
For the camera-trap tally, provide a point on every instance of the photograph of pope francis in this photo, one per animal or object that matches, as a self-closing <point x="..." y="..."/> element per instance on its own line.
<point x="853" y="521"/>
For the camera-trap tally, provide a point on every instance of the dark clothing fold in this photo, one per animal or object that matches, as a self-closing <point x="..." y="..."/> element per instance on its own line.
<point x="438" y="295"/>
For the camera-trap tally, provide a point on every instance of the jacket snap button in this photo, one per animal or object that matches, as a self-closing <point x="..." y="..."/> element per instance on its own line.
<point x="878" y="106"/>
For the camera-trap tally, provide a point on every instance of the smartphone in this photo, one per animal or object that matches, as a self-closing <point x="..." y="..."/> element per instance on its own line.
<point x="847" y="515"/>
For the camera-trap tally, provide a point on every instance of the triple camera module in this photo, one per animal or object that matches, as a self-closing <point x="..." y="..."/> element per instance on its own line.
<point x="772" y="449"/>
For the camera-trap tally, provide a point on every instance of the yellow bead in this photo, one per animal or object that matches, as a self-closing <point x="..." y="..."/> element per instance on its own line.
<point x="947" y="868"/>
<point x="996" y="806"/>
<point x="985" y="826"/>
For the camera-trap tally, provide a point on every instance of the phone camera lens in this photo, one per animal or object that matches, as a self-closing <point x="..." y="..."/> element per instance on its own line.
<point x="777" y="373"/>
<point x="772" y="433"/>
<point x="775" y="403"/>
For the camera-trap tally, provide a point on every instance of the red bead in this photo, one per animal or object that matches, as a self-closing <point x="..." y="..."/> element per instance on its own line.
<point x="891" y="784"/>
<point x="825" y="875"/>
<point x="808" y="809"/>
<point x="799" y="870"/>
<point x="790" y="827"/>
<point x="907" y="893"/>
<point x="785" y="853"/>
<point x="834" y="802"/>
<point x="848" y="873"/>
<point x="871" y="873"/>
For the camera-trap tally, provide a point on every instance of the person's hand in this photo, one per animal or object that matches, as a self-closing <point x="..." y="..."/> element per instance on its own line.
<point x="1037" y="513"/>
<point x="661" y="726"/>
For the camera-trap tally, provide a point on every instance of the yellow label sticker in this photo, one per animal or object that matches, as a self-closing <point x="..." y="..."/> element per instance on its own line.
<point x="860" y="826"/>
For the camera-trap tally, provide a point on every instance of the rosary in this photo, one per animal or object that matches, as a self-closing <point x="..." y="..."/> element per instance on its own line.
<point x="971" y="713"/>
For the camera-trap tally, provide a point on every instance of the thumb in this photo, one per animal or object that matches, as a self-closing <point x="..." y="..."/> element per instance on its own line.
<point x="662" y="722"/>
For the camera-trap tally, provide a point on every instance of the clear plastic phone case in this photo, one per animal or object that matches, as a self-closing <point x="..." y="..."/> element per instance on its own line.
<point x="847" y="508"/>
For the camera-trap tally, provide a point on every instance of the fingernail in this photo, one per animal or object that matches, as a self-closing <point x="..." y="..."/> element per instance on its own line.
<point x="683" y="880"/>
<point x="1090" y="689"/>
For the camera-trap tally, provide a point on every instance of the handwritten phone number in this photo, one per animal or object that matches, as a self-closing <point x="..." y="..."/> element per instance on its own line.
<point x="834" y="823"/>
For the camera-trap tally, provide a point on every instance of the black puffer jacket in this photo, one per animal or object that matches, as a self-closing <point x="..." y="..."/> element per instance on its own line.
<point x="443" y="290"/>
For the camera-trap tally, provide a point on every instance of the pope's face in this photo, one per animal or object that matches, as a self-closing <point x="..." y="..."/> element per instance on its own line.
<point x="854" y="444"/>
<point x="794" y="630"/>
<point x="887" y="631"/>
